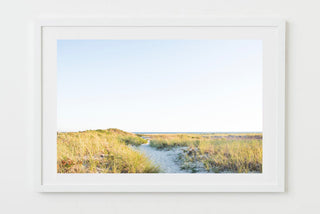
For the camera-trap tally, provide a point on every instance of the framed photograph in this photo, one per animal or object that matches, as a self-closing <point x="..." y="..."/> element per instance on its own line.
<point x="160" y="105"/>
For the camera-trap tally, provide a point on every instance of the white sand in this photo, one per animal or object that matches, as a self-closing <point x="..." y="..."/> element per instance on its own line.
<point x="166" y="159"/>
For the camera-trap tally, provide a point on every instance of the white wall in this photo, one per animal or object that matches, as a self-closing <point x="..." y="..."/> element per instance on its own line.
<point x="303" y="145"/>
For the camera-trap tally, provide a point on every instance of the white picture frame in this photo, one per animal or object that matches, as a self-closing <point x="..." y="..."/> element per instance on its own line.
<point x="271" y="31"/>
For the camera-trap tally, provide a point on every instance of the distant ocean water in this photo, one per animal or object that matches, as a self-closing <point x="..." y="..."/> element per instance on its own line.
<point x="193" y="132"/>
<point x="70" y="130"/>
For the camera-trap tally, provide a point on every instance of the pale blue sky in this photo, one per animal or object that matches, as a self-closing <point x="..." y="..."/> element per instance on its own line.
<point x="160" y="85"/>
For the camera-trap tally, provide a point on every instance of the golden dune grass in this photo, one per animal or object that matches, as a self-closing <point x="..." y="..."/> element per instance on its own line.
<point x="101" y="151"/>
<point x="238" y="153"/>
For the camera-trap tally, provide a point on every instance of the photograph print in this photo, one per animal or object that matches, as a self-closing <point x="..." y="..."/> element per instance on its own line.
<point x="159" y="106"/>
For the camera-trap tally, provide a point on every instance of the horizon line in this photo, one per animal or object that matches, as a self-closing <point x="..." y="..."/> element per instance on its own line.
<point x="149" y="132"/>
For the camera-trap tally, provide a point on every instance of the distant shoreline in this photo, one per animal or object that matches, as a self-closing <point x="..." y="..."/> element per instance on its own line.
<point x="197" y="132"/>
<point x="246" y="132"/>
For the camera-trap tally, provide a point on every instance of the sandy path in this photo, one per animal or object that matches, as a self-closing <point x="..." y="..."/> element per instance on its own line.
<point x="166" y="159"/>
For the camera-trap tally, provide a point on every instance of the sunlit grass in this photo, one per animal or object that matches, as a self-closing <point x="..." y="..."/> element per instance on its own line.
<point x="237" y="153"/>
<point x="101" y="151"/>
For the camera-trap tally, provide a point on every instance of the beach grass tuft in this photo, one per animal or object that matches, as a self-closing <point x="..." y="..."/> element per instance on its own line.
<point x="101" y="151"/>
<point x="230" y="153"/>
